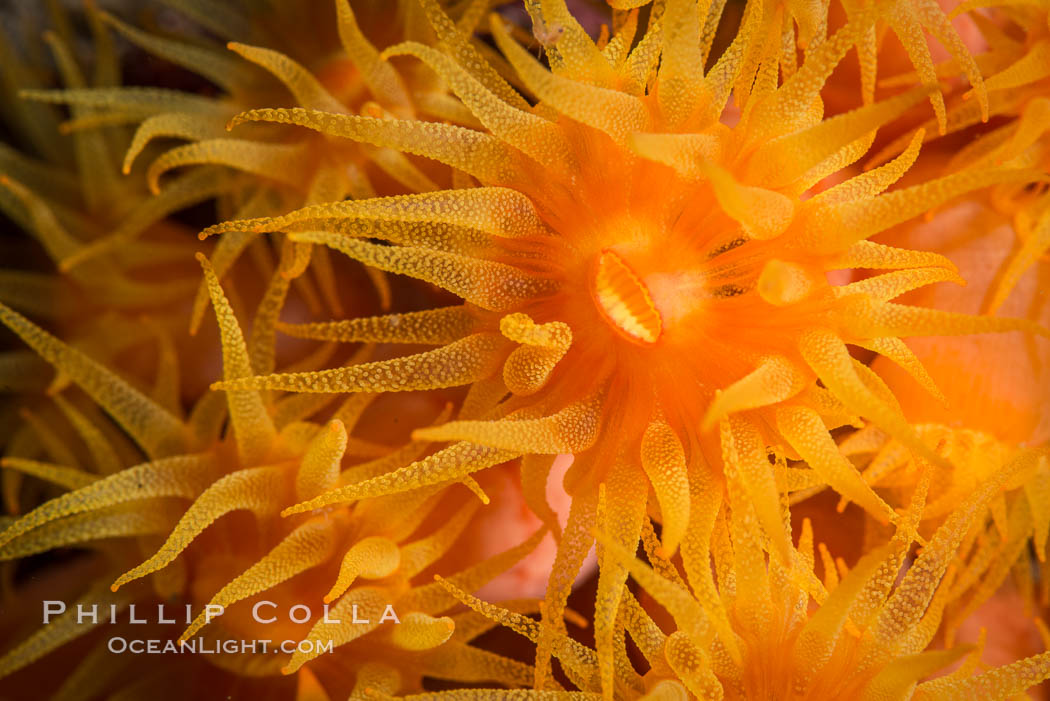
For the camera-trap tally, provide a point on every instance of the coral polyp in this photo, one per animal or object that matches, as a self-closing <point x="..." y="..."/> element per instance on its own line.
<point x="361" y="560"/>
<point x="679" y="254"/>
<point x="749" y="632"/>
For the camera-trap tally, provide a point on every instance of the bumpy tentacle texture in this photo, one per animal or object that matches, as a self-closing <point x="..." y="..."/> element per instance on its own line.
<point x="866" y="639"/>
<point x="278" y="57"/>
<point x="66" y="193"/>
<point x="1018" y="80"/>
<point x="656" y="273"/>
<point x="367" y="559"/>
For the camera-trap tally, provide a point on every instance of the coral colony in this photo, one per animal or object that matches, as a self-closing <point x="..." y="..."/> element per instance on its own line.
<point x="474" y="350"/>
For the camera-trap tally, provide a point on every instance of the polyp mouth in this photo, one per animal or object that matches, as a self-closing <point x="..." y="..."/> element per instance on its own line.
<point x="624" y="300"/>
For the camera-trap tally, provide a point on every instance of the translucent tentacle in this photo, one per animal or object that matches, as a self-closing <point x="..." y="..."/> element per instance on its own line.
<point x="808" y="436"/>
<point x="459" y="363"/>
<point x="663" y="459"/>
<point x="60" y="630"/>
<point x="531" y="134"/>
<point x="252" y="426"/>
<point x="787" y="159"/>
<point x="157" y="431"/>
<point x="102" y="452"/>
<point x="182" y="476"/>
<point x="896" y="350"/>
<point x="174" y="125"/>
<point x="829" y="358"/>
<point x="744" y="447"/>
<point x="529" y="366"/>
<point x="827" y="228"/>
<point x="774" y="380"/>
<point x="306" y="547"/>
<point x="258" y="489"/>
<point x="219" y="68"/>
<point x="383" y="81"/>
<point x="571" y="430"/>
<point x="366" y="599"/>
<point x="300" y="82"/>
<point x="622" y="525"/>
<point x="874" y="182"/>
<point x="494" y="210"/>
<point x="1034" y="245"/>
<point x="418" y="631"/>
<point x="67" y="477"/>
<point x="681" y="73"/>
<point x="615" y="113"/>
<point x="282" y="162"/>
<point x="1003" y="682"/>
<point x="889" y="319"/>
<point x="763" y="213"/>
<point x="86" y="528"/>
<point x="430" y="327"/>
<point x="374" y="557"/>
<point x="490" y="285"/>
<point x="483" y="156"/>
<point x="321" y="465"/>
<point x="883" y="288"/>
<point x="446" y="465"/>
<point x="535" y="471"/>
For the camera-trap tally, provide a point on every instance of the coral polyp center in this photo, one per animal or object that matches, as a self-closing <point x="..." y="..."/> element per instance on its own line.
<point x="624" y="300"/>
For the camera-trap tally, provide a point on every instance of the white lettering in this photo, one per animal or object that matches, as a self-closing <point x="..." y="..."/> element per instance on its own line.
<point x="327" y="619"/>
<point x="53" y="608"/>
<point x="305" y="618"/>
<point x="81" y="615"/>
<point x="131" y="616"/>
<point x="212" y="611"/>
<point x="255" y="612"/>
